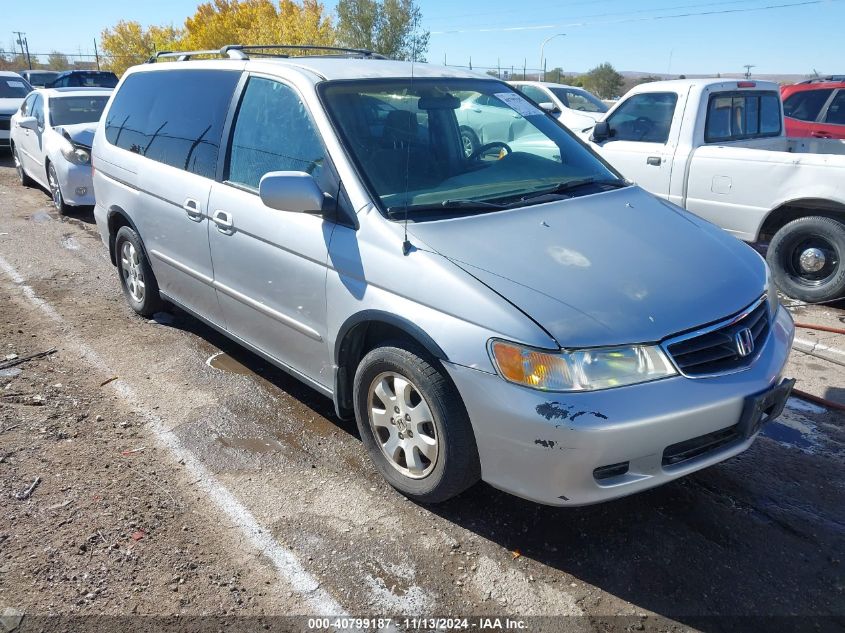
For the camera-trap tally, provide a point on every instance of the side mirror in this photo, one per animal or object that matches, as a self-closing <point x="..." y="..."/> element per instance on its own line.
<point x="28" y="122"/>
<point x="601" y="132"/>
<point x="549" y="107"/>
<point x="293" y="191"/>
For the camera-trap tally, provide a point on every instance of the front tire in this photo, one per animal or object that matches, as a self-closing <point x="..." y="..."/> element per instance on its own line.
<point x="136" y="276"/>
<point x="414" y="425"/>
<point x="806" y="258"/>
<point x="56" y="191"/>
<point x="469" y="141"/>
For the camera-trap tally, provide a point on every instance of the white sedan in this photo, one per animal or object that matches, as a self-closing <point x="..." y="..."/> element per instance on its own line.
<point x="51" y="138"/>
<point x="576" y="108"/>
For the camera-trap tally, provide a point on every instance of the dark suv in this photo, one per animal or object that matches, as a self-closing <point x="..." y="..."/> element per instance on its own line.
<point x="84" y="79"/>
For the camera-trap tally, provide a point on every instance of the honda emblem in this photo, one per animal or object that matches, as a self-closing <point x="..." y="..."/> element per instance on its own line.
<point x="744" y="342"/>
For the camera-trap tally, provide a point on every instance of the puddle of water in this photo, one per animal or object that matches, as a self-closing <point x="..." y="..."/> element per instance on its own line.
<point x="787" y="435"/>
<point x="797" y="404"/>
<point x="41" y="216"/>
<point x="224" y="362"/>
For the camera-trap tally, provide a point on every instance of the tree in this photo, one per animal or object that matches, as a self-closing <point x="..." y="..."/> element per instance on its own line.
<point x="128" y="43"/>
<point x="57" y="61"/>
<point x="222" y="22"/>
<point x="388" y="27"/>
<point x="604" y="81"/>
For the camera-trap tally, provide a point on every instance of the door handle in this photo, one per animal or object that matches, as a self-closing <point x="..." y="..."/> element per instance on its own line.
<point x="224" y="222"/>
<point x="192" y="208"/>
<point x="654" y="160"/>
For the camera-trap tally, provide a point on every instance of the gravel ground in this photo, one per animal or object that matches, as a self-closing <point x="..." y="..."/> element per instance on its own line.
<point x="181" y="475"/>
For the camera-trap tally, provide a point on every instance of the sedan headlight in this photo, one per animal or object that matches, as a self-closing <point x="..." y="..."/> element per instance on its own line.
<point x="76" y="155"/>
<point x="580" y="370"/>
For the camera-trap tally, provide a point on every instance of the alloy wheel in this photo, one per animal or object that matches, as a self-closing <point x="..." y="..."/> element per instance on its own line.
<point x="133" y="275"/>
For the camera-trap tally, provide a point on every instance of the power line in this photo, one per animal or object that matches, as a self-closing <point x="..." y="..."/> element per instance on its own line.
<point x="629" y="20"/>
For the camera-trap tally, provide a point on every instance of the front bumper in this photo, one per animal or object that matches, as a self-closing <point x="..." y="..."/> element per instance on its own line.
<point x="546" y="447"/>
<point x="75" y="182"/>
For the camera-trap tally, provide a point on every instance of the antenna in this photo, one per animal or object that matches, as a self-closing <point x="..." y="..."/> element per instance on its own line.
<point x="748" y="68"/>
<point x="406" y="244"/>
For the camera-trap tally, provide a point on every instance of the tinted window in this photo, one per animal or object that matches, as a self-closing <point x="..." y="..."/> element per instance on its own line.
<point x="72" y="110"/>
<point x="742" y="115"/>
<point x="13" y="87"/>
<point x="806" y="105"/>
<point x="534" y="93"/>
<point x="273" y="132"/>
<point x="173" y="116"/>
<point x="579" y="100"/>
<point x="38" y="110"/>
<point x="27" y="104"/>
<point x="644" y="117"/>
<point x="836" y="110"/>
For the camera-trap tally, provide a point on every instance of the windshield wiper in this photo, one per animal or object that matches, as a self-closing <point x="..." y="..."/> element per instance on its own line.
<point x="478" y="205"/>
<point x="563" y="188"/>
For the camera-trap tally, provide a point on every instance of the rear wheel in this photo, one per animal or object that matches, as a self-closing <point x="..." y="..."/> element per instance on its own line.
<point x="469" y="141"/>
<point x="136" y="277"/>
<point x="806" y="258"/>
<point x="414" y="425"/>
<point x="56" y="191"/>
<point x="25" y="180"/>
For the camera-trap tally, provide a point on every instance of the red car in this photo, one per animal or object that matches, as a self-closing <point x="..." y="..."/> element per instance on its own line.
<point x="815" y="108"/>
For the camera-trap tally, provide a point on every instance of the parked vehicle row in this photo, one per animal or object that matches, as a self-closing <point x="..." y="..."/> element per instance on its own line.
<point x="51" y="140"/>
<point x="719" y="149"/>
<point x="515" y="312"/>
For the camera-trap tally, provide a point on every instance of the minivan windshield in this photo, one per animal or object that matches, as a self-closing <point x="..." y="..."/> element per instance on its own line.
<point x="13" y="87"/>
<point x="72" y="110"/>
<point x="446" y="143"/>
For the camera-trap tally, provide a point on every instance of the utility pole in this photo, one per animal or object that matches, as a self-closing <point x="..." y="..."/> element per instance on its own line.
<point x="21" y="41"/>
<point x="96" y="53"/>
<point x="748" y="68"/>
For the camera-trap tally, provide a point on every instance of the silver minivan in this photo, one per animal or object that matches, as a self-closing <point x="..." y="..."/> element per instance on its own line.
<point x="519" y="314"/>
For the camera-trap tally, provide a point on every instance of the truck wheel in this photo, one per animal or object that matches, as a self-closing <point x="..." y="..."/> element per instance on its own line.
<point x="806" y="258"/>
<point x="414" y="425"/>
<point x="136" y="277"/>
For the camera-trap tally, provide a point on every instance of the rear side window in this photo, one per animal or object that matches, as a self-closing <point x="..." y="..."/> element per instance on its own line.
<point x="534" y="93"/>
<point x="173" y="117"/>
<point x="806" y="105"/>
<point x="734" y="116"/>
<point x="836" y="110"/>
<point x="272" y="132"/>
<point x="644" y="117"/>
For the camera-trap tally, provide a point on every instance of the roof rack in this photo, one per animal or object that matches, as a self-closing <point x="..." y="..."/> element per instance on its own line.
<point x="240" y="51"/>
<point x="818" y="80"/>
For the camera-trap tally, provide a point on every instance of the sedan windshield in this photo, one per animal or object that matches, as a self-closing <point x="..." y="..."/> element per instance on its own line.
<point x="582" y="100"/>
<point x="446" y="144"/>
<point x="13" y="88"/>
<point x="72" y="110"/>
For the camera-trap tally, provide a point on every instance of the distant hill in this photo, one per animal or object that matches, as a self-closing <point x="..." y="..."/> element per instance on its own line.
<point x="780" y="78"/>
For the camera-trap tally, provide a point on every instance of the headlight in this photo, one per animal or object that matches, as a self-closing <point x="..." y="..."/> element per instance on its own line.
<point x="771" y="293"/>
<point x="580" y="370"/>
<point x="76" y="155"/>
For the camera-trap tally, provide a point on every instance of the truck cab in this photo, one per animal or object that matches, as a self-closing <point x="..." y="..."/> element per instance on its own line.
<point x="718" y="149"/>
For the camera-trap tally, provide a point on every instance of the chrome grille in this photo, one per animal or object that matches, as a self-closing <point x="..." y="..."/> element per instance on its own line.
<point x="715" y="350"/>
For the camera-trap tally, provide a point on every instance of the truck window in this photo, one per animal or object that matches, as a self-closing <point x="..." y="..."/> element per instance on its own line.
<point x="806" y="105"/>
<point x="736" y="115"/>
<point x="645" y="117"/>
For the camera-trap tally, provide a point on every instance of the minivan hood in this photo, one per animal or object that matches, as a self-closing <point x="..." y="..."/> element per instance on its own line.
<point x="10" y="106"/>
<point x="80" y="133"/>
<point x="611" y="268"/>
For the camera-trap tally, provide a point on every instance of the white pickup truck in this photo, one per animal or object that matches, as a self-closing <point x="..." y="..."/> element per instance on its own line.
<point x="717" y="148"/>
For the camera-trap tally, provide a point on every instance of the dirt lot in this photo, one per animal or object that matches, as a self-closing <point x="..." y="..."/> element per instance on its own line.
<point x="178" y="474"/>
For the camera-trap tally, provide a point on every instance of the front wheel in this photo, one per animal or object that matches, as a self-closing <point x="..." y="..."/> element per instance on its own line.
<point x="23" y="178"/>
<point x="56" y="191"/>
<point x="136" y="276"/>
<point x="414" y="425"/>
<point x="806" y="258"/>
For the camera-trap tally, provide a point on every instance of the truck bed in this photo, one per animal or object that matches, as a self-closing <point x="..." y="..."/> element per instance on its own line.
<point x="796" y="145"/>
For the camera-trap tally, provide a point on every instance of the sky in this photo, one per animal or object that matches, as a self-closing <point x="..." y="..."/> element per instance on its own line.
<point x="660" y="36"/>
